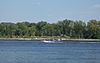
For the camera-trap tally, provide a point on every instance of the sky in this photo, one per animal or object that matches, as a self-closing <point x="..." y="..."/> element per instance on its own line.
<point x="48" y="10"/>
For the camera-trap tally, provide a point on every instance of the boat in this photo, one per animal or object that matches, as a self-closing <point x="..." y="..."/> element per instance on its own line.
<point x="52" y="41"/>
<point x="48" y="41"/>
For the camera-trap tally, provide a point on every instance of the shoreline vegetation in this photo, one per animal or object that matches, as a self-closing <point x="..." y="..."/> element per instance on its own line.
<point x="51" y="38"/>
<point x="65" y="29"/>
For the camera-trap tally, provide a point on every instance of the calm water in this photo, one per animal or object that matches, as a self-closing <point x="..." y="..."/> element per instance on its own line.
<point x="39" y="52"/>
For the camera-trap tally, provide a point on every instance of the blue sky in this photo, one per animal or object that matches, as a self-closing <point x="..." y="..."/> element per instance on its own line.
<point x="48" y="10"/>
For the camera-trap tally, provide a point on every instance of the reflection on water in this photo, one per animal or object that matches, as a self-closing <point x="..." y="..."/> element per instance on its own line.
<point x="39" y="52"/>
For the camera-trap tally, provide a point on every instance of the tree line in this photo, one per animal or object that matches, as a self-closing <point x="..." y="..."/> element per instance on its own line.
<point x="65" y="28"/>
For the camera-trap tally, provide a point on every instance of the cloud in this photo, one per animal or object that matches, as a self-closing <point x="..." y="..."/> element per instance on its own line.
<point x="96" y="6"/>
<point x="36" y="3"/>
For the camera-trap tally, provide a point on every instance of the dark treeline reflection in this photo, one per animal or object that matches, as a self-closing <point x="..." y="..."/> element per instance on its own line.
<point x="66" y="28"/>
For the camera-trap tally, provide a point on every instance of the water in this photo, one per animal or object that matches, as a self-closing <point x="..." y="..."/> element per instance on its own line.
<point x="13" y="51"/>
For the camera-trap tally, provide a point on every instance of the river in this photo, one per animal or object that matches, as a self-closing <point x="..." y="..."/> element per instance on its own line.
<point x="31" y="51"/>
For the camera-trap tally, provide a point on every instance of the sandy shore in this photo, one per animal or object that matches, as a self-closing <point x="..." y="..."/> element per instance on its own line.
<point x="64" y="39"/>
<point x="15" y="38"/>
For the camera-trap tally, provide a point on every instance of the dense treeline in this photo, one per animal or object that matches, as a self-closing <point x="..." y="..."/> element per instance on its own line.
<point x="66" y="28"/>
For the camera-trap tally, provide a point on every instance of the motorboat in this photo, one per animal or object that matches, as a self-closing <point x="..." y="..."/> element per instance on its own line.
<point x="52" y="41"/>
<point x="49" y="41"/>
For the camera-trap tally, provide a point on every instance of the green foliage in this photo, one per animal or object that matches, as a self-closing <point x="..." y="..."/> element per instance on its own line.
<point x="39" y="28"/>
<point x="93" y="28"/>
<point x="66" y="28"/>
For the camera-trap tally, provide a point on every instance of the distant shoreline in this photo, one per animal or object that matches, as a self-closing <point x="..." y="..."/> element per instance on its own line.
<point x="64" y="39"/>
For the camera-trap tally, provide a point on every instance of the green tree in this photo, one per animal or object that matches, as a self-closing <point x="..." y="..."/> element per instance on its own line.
<point x="79" y="28"/>
<point x="48" y="30"/>
<point x="39" y="28"/>
<point x="22" y="29"/>
<point x="92" y="28"/>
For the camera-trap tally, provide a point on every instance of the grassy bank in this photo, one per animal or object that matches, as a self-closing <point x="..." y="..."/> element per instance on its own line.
<point x="32" y="38"/>
<point x="47" y="38"/>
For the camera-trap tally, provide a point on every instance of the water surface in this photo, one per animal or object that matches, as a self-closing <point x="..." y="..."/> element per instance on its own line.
<point x="13" y="51"/>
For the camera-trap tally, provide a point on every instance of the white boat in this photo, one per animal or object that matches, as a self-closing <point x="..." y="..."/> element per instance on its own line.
<point x="48" y="41"/>
<point x="52" y="41"/>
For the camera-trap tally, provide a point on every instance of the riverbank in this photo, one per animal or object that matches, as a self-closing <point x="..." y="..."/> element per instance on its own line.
<point x="57" y="38"/>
